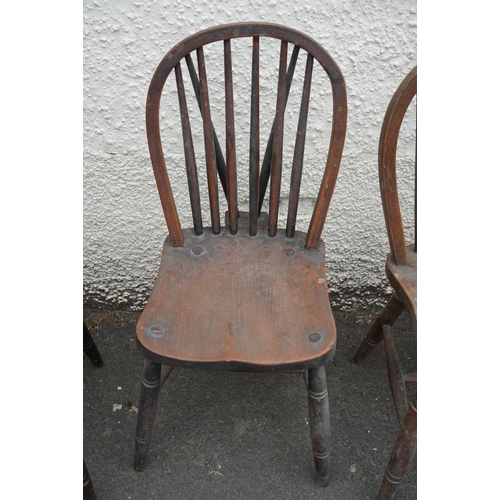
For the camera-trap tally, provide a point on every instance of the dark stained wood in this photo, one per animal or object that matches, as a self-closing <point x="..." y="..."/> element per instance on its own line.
<point x="254" y="141"/>
<point x="298" y="155"/>
<point x="266" y="163"/>
<point x="89" y="347"/>
<point x="277" y="155"/>
<point x="209" y="145"/>
<point x="221" y="164"/>
<point x="148" y="403"/>
<point x="402" y="454"/>
<point x="319" y="421"/>
<point x="230" y="141"/>
<point x="192" y="173"/>
<point x="238" y="299"/>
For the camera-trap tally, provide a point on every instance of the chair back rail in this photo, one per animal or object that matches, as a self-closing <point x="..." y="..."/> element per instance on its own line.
<point x="387" y="166"/>
<point x="225" y="169"/>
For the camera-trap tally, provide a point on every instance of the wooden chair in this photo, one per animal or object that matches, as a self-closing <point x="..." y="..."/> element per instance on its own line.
<point x="248" y="296"/>
<point x="401" y="270"/>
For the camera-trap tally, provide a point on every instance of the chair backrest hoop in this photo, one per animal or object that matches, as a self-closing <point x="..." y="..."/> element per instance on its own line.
<point x="387" y="165"/>
<point x="227" y="32"/>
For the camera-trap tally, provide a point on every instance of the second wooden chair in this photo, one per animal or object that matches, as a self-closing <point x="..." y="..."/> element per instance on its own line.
<point x="401" y="270"/>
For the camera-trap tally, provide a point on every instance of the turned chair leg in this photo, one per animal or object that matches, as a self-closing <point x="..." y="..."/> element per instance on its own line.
<point x="89" y="347"/>
<point x="375" y="335"/>
<point x="396" y="377"/>
<point x="319" y="418"/>
<point x="88" y="488"/>
<point x="147" y="411"/>
<point x="402" y="454"/>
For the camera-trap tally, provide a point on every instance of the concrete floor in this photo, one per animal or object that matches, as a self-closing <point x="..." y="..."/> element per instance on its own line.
<point x="221" y="435"/>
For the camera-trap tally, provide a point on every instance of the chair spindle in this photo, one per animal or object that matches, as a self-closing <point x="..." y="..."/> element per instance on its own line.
<point x="266" y="163"/>
<point x="277" y="155"/>
<point x="254" y="141"/>
<point x="192" y="174"/>
<point x="232" y="192"/>
<point x="221" y="164"/>
<point x="209" y="145"/>
<point x="298" y="155"/>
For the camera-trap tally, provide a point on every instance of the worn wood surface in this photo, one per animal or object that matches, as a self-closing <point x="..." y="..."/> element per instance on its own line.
<point x="246" y="303"/>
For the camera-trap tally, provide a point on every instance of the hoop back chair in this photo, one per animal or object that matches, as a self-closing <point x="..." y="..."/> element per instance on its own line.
<point x="401" y="270"/>
<point x="247" y="295"/>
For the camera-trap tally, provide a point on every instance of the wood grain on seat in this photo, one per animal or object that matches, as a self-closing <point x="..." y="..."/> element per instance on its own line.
<point x="237" y="302"/>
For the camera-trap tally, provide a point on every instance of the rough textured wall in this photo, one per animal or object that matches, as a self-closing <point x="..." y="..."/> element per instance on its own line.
<point x="374" y="44"/>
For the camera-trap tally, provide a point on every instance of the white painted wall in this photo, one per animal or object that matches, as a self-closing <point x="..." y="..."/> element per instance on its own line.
<point x="374" y="44"/>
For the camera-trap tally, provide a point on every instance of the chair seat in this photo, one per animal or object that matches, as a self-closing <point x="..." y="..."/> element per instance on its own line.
<point x="404" y="281"/>
<point x="239" y="303"/>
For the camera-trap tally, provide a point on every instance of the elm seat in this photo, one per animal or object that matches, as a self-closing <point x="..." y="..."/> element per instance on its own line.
<point x="215" y="297"/>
